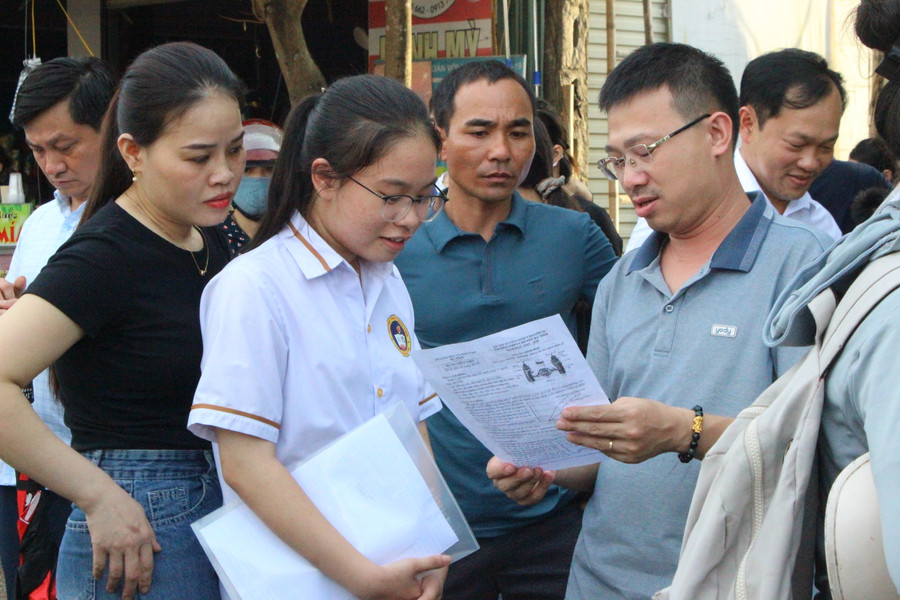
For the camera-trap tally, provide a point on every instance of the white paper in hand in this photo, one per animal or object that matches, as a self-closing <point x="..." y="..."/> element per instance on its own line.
<point x="366" y="485"/>
<point x="509" y="389"/>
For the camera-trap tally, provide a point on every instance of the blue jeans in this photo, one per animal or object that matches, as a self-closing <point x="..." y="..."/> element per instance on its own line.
<point x="175" y="487"/>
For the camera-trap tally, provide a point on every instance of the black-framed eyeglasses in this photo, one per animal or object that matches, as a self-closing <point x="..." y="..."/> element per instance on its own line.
<point x="397" y="206"/>
<point x="612" y="167"/>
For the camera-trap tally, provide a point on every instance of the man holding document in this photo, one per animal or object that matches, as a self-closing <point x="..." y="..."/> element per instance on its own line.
<point x="489" y="262"/>
<point x="676" y="333"/>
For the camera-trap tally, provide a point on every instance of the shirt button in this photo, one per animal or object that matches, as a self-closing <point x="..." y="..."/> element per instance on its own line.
<point x="368" y="328"/>
<point x="669" y="308"/>
<point x="380" y="392"/>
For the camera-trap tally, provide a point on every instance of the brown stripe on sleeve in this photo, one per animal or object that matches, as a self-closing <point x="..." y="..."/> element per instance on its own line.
<point x="421" y="402"/>
<point x="239" y="413"/>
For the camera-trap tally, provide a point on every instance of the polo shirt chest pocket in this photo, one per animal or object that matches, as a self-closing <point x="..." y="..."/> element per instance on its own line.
<point x="537" y="288"/>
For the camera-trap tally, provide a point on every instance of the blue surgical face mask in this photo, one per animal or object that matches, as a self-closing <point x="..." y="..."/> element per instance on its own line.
<point x="252" y="195"/>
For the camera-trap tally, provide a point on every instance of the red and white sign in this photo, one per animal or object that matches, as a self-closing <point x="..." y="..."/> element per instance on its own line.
<point x="441" y="29"/>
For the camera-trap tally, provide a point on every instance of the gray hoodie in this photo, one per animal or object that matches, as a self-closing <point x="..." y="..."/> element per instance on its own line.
<point x="789" y="322"/>
<point x="860" y="412"/>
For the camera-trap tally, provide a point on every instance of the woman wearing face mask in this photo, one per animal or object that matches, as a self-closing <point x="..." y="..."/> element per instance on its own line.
<point x="262" y="140"/>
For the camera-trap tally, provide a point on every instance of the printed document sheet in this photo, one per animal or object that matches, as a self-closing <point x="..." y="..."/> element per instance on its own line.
<point x="509" y="388"/>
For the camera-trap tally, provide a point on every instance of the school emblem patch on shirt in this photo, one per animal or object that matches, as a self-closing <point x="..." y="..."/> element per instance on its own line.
<point x="399" y="335"/>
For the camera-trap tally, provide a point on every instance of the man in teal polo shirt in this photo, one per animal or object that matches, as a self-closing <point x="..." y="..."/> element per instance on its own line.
<point x="489" y="262"/>
<point x="677" y="325"/>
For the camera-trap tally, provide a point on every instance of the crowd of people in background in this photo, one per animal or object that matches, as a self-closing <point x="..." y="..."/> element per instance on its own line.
<point x="209" y="300"/>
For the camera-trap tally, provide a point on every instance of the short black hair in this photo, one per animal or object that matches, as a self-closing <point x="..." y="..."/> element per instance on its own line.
<point x="866" y="202"/>
<point x="699" y="82"/>
<point x="878" y="27"/>
<point x="88" y="83"/>
<point x="790" y="78"/>
<point x="492" y="70"/>
<point x="875" y="151"/>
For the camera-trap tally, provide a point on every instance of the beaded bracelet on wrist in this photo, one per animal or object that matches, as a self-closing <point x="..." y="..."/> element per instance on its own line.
<point x="696" y="428"/>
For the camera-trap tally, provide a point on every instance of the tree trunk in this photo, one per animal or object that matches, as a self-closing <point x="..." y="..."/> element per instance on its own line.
<point x="565" y="64"/>
<point x="398" y="41"/>
<point x="497" y="46"/>
<point x="301" y="75"/>
<point x="612" y="186"/>
<point x="648" y="22"/>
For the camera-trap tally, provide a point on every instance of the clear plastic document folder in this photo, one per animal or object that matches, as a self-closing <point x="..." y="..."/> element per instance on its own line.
<point x="378" y="485"/>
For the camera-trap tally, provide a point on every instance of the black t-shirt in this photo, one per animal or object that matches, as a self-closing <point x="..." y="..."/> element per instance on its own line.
<point x="599" y="216"/>
<point x="130" y="381"/>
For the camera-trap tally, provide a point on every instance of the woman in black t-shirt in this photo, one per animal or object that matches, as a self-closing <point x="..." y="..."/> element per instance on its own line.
<point x="116" y="312"/>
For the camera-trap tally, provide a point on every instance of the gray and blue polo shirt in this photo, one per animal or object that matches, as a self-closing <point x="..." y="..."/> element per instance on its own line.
<point x="700" y="345"/>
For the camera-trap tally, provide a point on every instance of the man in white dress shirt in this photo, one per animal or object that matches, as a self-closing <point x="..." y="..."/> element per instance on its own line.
<point x="60" y="106"/>
<point x="791" y="107"/>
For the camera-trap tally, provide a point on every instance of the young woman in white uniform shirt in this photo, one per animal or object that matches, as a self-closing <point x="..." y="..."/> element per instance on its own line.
<point x="308" y="334"/>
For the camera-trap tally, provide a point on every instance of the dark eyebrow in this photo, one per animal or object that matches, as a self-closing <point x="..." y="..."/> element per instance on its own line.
<point x="640" y="138"/>
<point x="238" y="138"/>
<point x="52" y="142"/>
<point x="806" y="139"/>
<point x="401" y="183"/>
<point x="523" y="122"/>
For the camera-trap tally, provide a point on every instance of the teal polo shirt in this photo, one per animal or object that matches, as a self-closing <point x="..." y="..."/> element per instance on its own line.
<point x="701" y="345"/>
<point x="540" y="261"/>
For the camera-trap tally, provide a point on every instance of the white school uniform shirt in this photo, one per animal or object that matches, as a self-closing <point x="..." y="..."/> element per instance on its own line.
<point x="299" y="349"/>
<point x="42" y="234"/>
<point x="803" y="209"/>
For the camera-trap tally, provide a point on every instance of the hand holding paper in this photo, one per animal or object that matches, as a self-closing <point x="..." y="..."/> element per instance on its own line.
<point x="525" y="485"/>
<point x="630" y="430"/>
<point x="510" y="388"/>
<point x="422" y="578"/>
<point x="378" y="487"/>
<point x="640" y="429"/>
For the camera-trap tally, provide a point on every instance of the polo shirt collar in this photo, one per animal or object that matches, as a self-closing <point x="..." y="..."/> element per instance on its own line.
<point x="442" y="229"/>
<point x="64" y="204"/>
<point x="648" y="251"/>
<point x="517" y="213"/>
<point x="738" y="250"/>
<point x="316" y="257"/>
